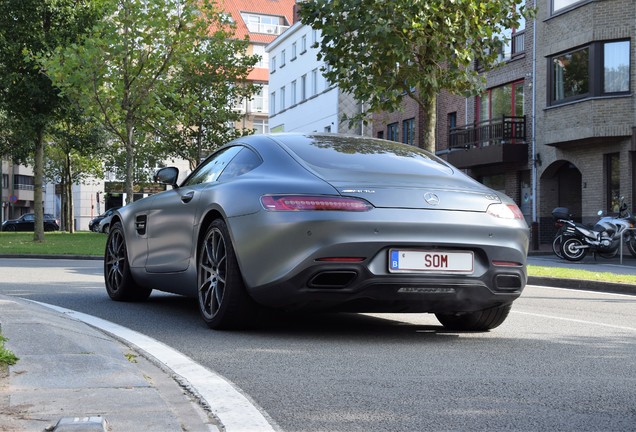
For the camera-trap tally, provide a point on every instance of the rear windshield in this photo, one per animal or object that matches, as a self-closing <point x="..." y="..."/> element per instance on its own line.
<point x="350" y="153"/>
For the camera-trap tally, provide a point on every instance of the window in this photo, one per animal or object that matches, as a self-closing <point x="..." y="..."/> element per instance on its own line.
<point x="23" y="182"/>
<point x="293" y="92"/>
<point x="259" y="101"/>
<point x="314" y="82"/>
<point x="272" y="65"/>
<point x="570" y="73"/>
<point x="506" y="100"/>
<point x="613" y="181"/>
<point x="408" y="131"/>
<point x="261" y="126"/>
<point x="303" y="44"/>
<point x="303" y="87"/>
<point x="392" y="132"/>
<point x="282" y="58"/>
<point x="381" y="134"/>
<point x="327" y="129"/>
<point x="599" y="69"/>
<point x="293" y="51"/>
<point x="451" y="120"/>
<point x="264" y="57"/>
<point x="512" y="40"/>
<point x="616" y="67"/>
<point x="272" y="103"/>
<point x="5" y="180"/>
<point x="282" y="98"/>
<point x="558" y="5"/>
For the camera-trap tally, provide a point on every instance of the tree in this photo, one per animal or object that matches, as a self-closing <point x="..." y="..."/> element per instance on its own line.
<point x="383" y="51"/>
<point x="128" y="73"/>
<point x="74" y="154"/>
<point x="28" y="99"/>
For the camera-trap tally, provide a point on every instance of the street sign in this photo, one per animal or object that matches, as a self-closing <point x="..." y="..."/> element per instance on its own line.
<point x="13" y="199"/>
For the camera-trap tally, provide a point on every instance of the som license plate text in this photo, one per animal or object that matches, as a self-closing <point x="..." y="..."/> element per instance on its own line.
<point x="430" y="261"/>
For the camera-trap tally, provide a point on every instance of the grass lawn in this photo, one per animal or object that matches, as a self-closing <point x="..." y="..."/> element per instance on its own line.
<point x="55" y="243"/>
<point x="92" y="244"/>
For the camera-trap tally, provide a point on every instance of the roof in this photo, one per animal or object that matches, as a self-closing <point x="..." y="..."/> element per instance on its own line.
<point x="284" y="8"/>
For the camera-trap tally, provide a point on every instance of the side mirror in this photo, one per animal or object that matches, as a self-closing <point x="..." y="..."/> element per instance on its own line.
<point x="167" y="176"/>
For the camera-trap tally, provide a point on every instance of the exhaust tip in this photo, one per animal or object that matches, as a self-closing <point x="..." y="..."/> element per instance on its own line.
<point x="332" y="279"/>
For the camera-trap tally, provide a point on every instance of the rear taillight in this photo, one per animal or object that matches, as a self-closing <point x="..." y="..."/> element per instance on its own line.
<point x="505" y="211"/>
<point x="313" y="203"/>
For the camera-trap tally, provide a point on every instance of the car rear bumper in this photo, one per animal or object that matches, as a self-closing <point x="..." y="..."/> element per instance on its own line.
<point x="354" y="288"/>
<point x="283" y="262"/>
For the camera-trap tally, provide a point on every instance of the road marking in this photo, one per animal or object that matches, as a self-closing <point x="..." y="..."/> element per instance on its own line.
<point x="575" y="320"/>
<point x="585" y="291"/>
<point x="235" y="411"/>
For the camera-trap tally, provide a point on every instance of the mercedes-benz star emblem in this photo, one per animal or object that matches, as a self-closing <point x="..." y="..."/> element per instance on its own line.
<point x="431" y="198"/>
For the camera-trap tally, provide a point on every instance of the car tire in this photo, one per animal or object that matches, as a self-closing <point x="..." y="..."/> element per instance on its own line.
<point x="9" y="228"/>
<point x="120" y="284"/>
<point x="484" y="320"/>
<point x="224" y="303"/>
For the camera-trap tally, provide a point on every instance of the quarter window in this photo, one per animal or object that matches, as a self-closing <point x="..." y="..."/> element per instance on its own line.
<point x="210" y="170"/>
<point x="245" y="161"/>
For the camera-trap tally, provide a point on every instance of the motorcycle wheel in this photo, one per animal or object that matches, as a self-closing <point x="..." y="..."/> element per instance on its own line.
<point x="631" y="245"/>
<point x="572" y="250"/>
<point x="556" y="243"/>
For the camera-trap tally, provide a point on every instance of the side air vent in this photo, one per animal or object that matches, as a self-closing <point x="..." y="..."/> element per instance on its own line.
<point x="140" y="224"/>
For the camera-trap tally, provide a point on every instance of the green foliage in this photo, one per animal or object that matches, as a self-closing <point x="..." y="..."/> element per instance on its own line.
<point x="383" y="51"/>
<point x="7" y="358"/>
<point x="149" y="69"/>
<point x="29" y="101"/>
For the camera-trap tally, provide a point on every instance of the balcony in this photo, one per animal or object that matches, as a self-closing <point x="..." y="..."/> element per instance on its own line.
<point x="271" y="29"/>
<point x="488" y="143"/>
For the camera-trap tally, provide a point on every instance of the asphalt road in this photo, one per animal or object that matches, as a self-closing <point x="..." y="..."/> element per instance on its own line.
<point x="564" y="359"/>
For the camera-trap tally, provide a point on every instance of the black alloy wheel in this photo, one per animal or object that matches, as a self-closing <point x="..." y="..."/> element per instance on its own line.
<point x="223" y="300"/>
<point x="120" y="284"/>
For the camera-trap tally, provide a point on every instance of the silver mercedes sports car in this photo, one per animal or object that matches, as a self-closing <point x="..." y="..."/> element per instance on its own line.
<point x="322" y="222"/>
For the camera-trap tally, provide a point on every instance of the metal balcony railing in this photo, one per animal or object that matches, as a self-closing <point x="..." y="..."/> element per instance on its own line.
<point x="506" y="130"/>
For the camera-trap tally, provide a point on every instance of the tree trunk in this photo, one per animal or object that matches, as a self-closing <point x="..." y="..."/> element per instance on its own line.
<point x="69" y="201"/>
<point x="130" y="162"/>
<point x="429" y="108"/>
<point x="38" y="231"/>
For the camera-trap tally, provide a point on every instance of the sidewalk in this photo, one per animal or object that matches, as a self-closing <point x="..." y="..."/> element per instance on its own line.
<point x="85" y="380"/>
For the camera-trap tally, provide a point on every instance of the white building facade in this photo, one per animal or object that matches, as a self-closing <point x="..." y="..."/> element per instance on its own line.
<point x="300" y="98"/>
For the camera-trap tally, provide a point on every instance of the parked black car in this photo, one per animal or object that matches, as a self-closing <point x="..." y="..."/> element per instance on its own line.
<point x="26" y="222"/>
<point x="93" y="225"/>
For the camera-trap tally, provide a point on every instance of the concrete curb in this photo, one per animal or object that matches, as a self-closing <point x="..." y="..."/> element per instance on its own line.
<point x="585" y="285"/>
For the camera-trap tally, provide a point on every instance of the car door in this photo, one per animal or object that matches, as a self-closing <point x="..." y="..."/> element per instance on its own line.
<point x="26" y="223"/>
<point x="172" y="223"/>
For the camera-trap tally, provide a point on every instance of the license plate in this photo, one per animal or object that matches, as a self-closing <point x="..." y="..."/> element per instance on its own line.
<point x="421" y="261"/>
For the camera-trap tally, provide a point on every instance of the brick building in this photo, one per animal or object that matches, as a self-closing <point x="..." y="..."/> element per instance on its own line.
<point x="555" y="124"/>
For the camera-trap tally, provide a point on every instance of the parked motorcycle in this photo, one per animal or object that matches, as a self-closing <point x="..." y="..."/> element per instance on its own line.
<point x="602" y="239"/>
